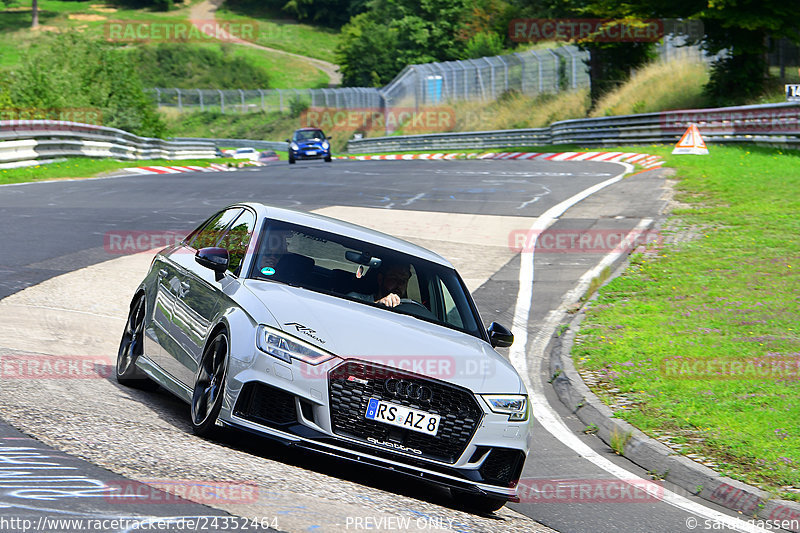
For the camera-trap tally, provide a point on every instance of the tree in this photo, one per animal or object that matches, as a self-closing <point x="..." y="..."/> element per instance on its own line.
<point x="366" y="52"/>
<point x="738" y="29"/>
<point x="377" y="44"/>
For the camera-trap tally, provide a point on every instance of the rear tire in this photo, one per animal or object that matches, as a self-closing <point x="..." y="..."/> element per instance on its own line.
<point x="477" y="502"/>
<point x="209" y="386"/>
<point x="131" y="347"/>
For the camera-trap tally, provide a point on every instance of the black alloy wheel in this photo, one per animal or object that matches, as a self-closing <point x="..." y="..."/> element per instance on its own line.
<point x="209" y="385"/>
<point x="131" y="347"/>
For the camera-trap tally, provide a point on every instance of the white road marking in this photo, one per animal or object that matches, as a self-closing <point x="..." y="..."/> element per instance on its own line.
<point x="542" y="410"/>
<point x="414" y="199"/>
<point x="535" y="199"/>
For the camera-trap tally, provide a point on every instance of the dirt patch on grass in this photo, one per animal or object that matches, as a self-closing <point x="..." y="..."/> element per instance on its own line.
<point x="86" y="17"/>
<point x="46" y="28"/>
<point x="103" y="8"/>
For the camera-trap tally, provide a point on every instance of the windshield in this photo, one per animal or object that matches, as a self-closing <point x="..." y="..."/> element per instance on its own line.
<point x="309" y="135"/>
<point x="365" y="273"/>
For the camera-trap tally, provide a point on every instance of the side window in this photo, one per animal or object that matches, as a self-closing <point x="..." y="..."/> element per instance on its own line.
<point x="412" y="289"/>
<point x="211" y="233"/>
<point x="237" y="239"/>
<point x="452" y="316"/>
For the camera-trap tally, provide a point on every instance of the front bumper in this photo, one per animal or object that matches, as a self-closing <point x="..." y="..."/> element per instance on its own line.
<point x="319" y="409"/>
<point x="310" y="153"/>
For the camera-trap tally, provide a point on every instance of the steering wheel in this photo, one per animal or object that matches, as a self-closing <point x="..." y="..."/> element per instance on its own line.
<point x="414" y="308"/>
<point x="410" y="301"/>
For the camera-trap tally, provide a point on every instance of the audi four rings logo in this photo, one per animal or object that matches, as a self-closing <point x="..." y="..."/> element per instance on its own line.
<point x="408" y="389"/>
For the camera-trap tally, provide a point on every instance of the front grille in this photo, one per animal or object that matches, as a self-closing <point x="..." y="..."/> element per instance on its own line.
<point x="502" y="467"/>
<point x="353" y="383"/>
<point x="265" y="405"/>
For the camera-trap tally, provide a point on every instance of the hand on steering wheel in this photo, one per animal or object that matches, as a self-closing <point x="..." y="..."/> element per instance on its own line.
<point x="410" y="301"/>
<point x="390" y="300"/>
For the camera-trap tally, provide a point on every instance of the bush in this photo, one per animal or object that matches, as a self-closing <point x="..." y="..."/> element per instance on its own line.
<point x="70" y="71"/>
<point x="483" y="44"/>
<point x="736" y="79"/>
<point x="297" y="105"/>
<point x="162" y="5"/>
<point x="187" y="66"/>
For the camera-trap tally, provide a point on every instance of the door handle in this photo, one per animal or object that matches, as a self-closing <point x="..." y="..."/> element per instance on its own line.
<point x="184" y="288"/>
<point x="162" y="273"/>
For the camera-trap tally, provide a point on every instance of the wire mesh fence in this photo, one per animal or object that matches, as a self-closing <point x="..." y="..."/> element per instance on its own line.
<point x="244" y="101"/>
<point x="529" y="72"/>
<point x="784" y="60"/>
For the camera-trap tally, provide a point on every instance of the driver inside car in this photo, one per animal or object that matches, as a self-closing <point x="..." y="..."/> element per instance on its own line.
<point x="392" y="284"/>
<point x="272" y="251"/>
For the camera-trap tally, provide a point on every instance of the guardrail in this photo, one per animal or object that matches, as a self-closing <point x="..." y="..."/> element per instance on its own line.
<point x="237" y="143"/>
<point x="774" y="124"/>
<point x="27" y="140"/>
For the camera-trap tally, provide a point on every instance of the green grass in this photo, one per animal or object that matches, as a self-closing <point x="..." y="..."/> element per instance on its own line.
<point x="659" y="86"/>
<point x="304" y="39"/>
<point x="284" y="72"/>
<point x="728" y="295"/>
<point x="81" y="167"/>
<point x="272" y="126"/>
<point x="60" y="16"/>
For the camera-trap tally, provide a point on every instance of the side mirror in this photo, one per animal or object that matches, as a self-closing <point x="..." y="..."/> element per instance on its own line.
<point x="500" y="336"/>
<point x="217" y="259"/>
<point x="288" y="141"/>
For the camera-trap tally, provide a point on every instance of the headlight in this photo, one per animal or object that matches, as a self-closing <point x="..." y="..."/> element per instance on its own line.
<point x="513" y="405"/>
<point x="325" y="145"/>
<point x="294" y="146"/>
<point x="280" y="345"/>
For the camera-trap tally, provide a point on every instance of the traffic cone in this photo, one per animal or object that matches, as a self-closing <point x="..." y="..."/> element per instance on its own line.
<point x="691" y="142"/>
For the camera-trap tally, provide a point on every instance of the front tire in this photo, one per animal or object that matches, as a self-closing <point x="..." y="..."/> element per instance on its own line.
<point x="209" y="386"/>
<point x="328" y="159"/>
<point x="291" y="160"/>
<point x="131" y="347"/>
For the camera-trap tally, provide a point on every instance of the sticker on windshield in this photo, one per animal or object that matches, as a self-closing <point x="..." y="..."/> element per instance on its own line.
<point x="268" y="271"/>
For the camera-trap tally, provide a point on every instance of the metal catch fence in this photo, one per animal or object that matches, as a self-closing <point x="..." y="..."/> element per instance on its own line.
<point x="529" y="72"/>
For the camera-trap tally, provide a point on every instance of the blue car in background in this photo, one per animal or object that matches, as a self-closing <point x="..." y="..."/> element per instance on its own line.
<point x="309" y="143"/>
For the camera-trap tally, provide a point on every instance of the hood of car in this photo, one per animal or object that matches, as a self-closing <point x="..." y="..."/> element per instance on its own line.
<point x="353" y="330"/>
<point x="309" y="144"/>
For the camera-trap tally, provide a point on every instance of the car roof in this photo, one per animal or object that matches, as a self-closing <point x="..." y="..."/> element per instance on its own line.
<point x="347" y="229"/>
<point x="308" y="129"/>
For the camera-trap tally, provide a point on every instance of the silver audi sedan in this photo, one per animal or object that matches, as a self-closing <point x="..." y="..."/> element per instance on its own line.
<point x="334" y="338"/>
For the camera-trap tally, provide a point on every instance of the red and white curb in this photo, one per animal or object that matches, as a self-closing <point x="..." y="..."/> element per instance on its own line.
<point x="213" y="167"/>
<point x="645" y="160"/>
